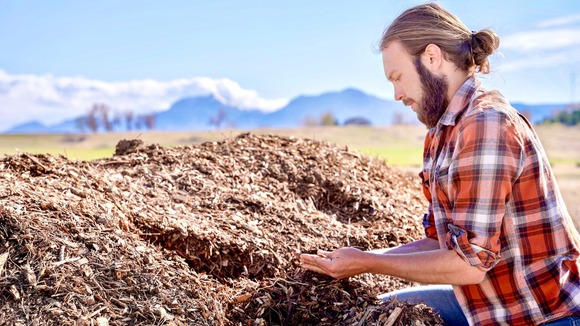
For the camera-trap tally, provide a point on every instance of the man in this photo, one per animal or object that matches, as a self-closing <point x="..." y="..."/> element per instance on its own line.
<point x="497" y="229"/>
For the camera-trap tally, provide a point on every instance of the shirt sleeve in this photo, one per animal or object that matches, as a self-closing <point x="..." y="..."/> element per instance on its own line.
<point x="428" y="218"/>
<point x="486" y="161"/>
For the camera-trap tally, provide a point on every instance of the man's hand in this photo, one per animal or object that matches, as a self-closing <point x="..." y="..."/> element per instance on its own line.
<point x="341" y="263"/>
<point x="416" y="262"/>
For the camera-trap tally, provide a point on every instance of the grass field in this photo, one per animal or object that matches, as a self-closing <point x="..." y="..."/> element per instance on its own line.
<point x="399" y="146"/>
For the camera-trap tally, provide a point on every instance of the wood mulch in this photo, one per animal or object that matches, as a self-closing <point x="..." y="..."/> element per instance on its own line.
<point x="201" y="235"/>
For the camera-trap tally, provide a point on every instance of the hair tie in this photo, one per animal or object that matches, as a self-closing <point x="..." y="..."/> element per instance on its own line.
<point x="474" y="42"/>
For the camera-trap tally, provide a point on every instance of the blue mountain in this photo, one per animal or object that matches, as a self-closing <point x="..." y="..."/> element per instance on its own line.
<point x="203" y="113"/>
<point x="206" y="113"/>
<point x="539" y="112"/>
<point x="343" y="105"/>
<point x="198" y="112"/>
<point x="30" y="127"/>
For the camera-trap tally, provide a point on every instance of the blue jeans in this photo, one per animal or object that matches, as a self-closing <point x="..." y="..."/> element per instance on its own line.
<point x="440" y="297"/>
<point x="566" y="321"/>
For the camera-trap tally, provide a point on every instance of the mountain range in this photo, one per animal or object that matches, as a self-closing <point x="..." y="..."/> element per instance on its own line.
<point x="206" y="112"/>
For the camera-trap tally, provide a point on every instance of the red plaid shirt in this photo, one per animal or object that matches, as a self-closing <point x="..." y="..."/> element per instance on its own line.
<point x="494" y="200"/>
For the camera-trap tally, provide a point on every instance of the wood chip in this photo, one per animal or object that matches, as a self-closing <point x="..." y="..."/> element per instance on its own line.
<point x="3" y="259"/>
<point x="201" y="234"/>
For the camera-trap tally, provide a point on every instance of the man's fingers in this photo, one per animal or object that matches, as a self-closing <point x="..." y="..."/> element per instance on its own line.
<point x="315" y="261"/>
<point x="309" y="259"/>
<point x="324" y="253"/>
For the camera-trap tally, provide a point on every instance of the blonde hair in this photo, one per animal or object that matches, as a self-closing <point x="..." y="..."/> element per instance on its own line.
<point x="430" y="23"/>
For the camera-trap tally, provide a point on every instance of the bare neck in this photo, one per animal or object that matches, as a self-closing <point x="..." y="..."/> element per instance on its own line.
<point x="455" y="78"/>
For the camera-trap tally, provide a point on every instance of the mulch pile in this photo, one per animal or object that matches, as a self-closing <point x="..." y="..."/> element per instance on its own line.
<point x="201" y="235"/>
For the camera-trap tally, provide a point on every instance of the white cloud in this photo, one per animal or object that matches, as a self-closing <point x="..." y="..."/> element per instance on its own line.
<point x="51" y="99"/>
<point x="538" y="61"/>
<point x="565" y="20"/>
<point x="541" y="40"/>
<point x="553" y="43"/>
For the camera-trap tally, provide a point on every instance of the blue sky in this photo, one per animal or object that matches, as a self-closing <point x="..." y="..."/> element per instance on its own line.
<point x="58" y="57"/>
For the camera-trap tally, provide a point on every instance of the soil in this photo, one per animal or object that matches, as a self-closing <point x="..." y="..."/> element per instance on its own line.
<point x="201" y="235"/>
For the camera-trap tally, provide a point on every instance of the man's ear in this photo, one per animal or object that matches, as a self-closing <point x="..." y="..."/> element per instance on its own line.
<point x="432" y="57"/>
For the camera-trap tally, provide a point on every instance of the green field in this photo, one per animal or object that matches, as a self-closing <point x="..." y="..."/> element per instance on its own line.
<point x="399" y="146"/>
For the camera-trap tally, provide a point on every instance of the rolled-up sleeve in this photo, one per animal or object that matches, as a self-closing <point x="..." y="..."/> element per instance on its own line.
<point x="485" y="165"/>
<point x="458" y="240"/>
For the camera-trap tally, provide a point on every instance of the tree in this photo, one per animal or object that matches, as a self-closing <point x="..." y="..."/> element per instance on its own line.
<point x="92" y="120"/>
<point x="310" y="121"/>
<point x="398" y="118"/>
<point x="149" y="121"/>
<point x="325" y="119"/>
<point x="218" y="119"/>
<point x="129" y="117"/>
<point x="568" y="117"/>
<point x="328" y="119"/>
<point x="104" y="110"/>
<point x="357" y="121"/>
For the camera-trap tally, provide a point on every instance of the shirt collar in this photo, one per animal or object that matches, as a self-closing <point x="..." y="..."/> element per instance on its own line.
<point x="459" y="102"/>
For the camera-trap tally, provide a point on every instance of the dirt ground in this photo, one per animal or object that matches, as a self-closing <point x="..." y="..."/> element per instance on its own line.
<point x="201" y="235"/>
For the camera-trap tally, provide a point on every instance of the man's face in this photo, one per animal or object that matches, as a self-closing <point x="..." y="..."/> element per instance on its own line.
<point x="415" y="85"/>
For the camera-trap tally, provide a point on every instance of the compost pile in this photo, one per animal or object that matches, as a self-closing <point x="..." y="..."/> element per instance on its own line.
<point x="201" y="235"/>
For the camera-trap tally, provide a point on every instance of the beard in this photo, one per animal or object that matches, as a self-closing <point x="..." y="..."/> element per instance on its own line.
<point x="434" y="101"/>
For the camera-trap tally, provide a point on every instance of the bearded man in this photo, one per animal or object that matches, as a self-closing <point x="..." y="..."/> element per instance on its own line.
<point x="500" y="246"/>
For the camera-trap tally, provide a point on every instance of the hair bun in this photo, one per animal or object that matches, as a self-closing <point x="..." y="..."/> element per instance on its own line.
<point x="483" y="44"/>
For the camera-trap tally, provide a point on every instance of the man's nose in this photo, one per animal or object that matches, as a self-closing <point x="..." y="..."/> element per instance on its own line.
<point x="399" y="95"/>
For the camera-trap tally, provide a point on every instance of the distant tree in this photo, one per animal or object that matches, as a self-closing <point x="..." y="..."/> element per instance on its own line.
<point x="328" y="119"/>
<point x="399" y="118"/>
<point x="218" y="119"/>
<point x="129" y="117"/>
<point x="92" y="120"/>
<point x="576" y="117"/>
<point x="325" y="119"/>
<point x="104" y="110"/>
<point x="568" y="117"/>
<point x="149" y="121"/>
<point x="357" y="121"/>
<point x="97" y="116"/>
<point x="310" y="121"/>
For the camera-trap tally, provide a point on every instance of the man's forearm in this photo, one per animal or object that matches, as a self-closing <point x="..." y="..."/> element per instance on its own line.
<point x="425" y="244"/>
<point x="439" y="266"/>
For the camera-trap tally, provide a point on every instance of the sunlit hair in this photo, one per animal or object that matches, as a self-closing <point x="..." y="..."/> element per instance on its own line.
<point x="429" y="23"/>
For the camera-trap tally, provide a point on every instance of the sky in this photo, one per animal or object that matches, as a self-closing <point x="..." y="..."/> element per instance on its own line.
<point x="58" y="57"/>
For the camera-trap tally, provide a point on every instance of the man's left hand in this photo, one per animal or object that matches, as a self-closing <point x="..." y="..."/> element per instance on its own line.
<point x="341" y="263"/>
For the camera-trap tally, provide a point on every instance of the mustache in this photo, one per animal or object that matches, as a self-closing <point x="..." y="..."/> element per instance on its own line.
<point x="408" y="101"/>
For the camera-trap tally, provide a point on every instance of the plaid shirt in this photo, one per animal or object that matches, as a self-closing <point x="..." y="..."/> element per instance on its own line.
<point x="494" y="200"/>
